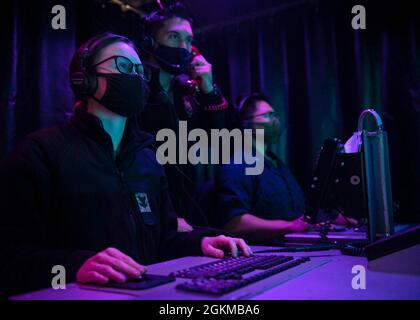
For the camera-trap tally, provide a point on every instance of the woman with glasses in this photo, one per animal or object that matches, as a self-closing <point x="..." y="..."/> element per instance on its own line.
<point x="89" y="195"/>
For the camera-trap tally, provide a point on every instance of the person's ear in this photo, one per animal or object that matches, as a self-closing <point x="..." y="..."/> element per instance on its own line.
<point x="153" y="42"/>
<point x="100" y="88"/>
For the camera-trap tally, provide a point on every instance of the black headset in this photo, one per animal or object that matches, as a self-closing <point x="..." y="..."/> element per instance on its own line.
<point x="246" y="124"/>
<point x="147" y="40"/>
<point x="83" y="79"/>
<point x="243" y="101"/>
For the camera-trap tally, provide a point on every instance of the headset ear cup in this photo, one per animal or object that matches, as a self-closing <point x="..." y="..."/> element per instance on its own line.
<point x="78" y="83"/>
<point x="81" y="78"/>
<point x="84" y="83"/>
<point x="147" y="43"/>
<point x="91" y="83"/>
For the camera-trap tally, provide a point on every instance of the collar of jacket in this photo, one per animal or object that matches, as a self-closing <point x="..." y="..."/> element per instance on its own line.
<point x="133" y="139"/>
<point x="269" y="153"/>
<point x="155" y="89"/>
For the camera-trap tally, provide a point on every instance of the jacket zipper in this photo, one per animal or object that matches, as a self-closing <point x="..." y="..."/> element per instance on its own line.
<point x="132" y="218"/>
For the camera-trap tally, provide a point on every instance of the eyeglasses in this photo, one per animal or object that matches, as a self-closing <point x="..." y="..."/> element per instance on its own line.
<point x="269" y="115"/>
<point x="126" y="66"/>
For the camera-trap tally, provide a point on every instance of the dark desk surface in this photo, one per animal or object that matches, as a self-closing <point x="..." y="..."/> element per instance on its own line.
<point x="327" y="276"/>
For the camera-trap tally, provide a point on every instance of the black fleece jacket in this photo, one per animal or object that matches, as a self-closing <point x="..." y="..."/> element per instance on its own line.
<point x="162" y="112"/>
<point x="64" y="197"/>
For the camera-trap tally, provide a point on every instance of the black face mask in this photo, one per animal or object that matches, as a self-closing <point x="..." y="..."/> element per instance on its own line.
<point x="272" y="130"/>
<point x="125" y="94"/>
<point x="175" y="61"/>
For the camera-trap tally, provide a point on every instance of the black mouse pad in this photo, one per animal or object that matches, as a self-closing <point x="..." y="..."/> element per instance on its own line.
<point x="147" y="281"/>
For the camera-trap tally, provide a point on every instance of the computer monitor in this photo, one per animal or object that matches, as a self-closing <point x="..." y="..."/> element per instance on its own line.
<point x="337" y="183"/>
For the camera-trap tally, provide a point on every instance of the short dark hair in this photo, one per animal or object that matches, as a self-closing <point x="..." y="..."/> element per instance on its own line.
<point x="89" y="50"/>
<point x="155" y="20"/>
<point x="247" y="104"/>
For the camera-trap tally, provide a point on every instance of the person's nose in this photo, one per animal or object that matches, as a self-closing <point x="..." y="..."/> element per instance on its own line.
<point x="184" y="45"/>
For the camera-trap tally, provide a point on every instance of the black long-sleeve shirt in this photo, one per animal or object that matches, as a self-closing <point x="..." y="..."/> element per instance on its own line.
<point x="64" y="197"/>
<point x="163" y="112"/>
<point x="274" y="194"/>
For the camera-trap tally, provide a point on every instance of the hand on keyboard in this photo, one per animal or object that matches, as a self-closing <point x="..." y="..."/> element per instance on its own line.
<point x="331" y="227"/>
<point x="297" y="225"/>
<point x="345" y="221"/>
<point x="216" y="246"/>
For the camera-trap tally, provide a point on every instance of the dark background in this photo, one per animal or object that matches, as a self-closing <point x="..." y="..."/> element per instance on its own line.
<point x="319" y="72"/>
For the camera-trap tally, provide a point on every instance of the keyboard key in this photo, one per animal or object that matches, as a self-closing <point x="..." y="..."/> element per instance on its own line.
<point x="231" y="279"/>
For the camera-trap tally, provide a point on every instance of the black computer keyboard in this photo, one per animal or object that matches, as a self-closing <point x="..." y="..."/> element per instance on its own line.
<point x="229" y="274"/>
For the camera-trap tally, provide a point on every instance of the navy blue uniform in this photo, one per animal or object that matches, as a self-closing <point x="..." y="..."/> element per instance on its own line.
<point x="274" y="194"/>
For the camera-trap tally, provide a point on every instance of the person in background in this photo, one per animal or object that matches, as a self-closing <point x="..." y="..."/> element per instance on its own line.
<point x="181" y="88"/>
<point x="266" y="206"/>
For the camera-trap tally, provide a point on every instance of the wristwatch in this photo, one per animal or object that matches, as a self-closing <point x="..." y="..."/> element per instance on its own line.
<point x="215" y="95"/>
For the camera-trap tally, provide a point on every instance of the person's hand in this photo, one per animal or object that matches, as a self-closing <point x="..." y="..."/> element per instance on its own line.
<point x="183" y="225"/>
<point x="202" y="70"/>
<point x="298" y="225"/>
<point x="343" y="221"/>
<point x="215" y="246"/>
<point x="110" y="264"/>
